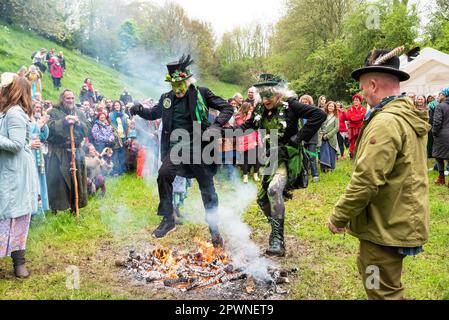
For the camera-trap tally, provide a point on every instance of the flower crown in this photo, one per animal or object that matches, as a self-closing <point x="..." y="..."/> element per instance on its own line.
<point x="178" y="75"/>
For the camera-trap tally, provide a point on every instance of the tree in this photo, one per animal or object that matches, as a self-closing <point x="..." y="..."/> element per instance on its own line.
<point x="330" y="65"/>
<point x="308" y="25"/>
<point x="243" y="51"/>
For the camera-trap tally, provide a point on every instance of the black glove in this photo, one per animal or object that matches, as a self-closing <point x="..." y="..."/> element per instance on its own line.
<point x="295" y="141"/>
<point x="136" y="108"/>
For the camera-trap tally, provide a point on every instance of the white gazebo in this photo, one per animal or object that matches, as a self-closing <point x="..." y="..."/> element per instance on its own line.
<point x="429" y="72"/>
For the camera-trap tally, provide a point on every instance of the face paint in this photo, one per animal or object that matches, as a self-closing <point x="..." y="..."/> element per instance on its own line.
<point x="267" y="94"/>
<point x="180" y="88"/>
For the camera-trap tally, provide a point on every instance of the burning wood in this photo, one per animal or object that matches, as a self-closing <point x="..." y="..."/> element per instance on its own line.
<point x="234" y="277"/>
<point x="177" y="281"/>
<point x="203" y="268"/>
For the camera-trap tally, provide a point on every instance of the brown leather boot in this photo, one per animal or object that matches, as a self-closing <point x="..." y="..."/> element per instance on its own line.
<point x="18" y="259"/>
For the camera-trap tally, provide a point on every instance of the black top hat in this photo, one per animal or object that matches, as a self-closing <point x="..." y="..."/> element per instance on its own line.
<point x="383" y="61"/>
<point x="269" y="80"/>
<point x="178" y="70"/>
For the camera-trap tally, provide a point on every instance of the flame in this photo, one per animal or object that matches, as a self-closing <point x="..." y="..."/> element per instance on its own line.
<point x="205" y="259"/>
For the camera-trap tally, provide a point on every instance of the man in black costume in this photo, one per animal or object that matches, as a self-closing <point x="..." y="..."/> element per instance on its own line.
<point x="182" y="109"/>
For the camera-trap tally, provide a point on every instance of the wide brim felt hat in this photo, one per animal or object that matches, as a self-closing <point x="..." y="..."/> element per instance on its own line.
<point x="269" y="80"/>
<point x="401" y="75"/>
<point x="382" y="61"/>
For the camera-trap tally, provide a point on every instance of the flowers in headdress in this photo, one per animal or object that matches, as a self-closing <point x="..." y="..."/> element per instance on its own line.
<point x="178" y="75"/>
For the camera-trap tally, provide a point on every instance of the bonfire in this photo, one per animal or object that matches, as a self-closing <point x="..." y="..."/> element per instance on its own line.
<point x="201" y="268"/>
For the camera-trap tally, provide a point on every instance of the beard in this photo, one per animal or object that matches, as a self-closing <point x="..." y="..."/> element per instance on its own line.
<point x="68" y="105"/>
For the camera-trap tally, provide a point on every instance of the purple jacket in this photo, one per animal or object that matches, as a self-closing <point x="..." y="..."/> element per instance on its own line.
<point x="102" y="133"/>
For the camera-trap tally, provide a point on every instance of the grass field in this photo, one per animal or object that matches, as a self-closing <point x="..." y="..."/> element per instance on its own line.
<point x="16" y="48"/>
<point x="126" y="216"/>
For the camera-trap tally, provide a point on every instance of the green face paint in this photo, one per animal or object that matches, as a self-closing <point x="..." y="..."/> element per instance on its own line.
<point x="267" y="94"/>
<point x="180" y="88"/>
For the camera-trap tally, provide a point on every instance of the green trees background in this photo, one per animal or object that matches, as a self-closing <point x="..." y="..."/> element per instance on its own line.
<point x="315" y="45"/>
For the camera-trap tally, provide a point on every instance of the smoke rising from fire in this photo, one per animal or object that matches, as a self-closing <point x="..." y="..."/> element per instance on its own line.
<point x="234" y="198"/>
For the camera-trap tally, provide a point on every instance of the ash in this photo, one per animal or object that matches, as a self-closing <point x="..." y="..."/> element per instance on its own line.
<point x="205" y="272"/>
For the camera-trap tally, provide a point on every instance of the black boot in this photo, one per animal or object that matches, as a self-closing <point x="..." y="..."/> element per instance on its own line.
<point x="18" y="259"/>
<point x="217" y="240"/>
<point x="276" y="243"/>
<point x="165" y="227"/>
<point x="266" y="209"/>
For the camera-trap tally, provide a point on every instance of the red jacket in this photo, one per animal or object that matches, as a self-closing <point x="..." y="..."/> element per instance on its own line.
<point x="342" y="119"/>
<point x="355" y="116"/>
<point x="56" y="71"/>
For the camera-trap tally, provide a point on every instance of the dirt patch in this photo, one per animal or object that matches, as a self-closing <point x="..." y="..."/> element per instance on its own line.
<point x="102" y="269"/>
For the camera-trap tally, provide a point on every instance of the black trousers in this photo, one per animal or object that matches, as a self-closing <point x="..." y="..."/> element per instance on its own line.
<point x="168" y="173"/>
<point x="246" y="167"/>
<point x="441" y="168"/>
<point x="341" y="144"/>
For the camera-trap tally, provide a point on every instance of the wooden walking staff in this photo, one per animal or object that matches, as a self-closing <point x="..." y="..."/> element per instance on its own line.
<point x="73" y="169"/>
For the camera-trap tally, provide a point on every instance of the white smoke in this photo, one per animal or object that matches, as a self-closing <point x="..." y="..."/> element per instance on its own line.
<point x="234" y="200"/>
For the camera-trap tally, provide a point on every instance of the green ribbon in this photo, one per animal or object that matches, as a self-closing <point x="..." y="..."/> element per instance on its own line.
<point x="310" y="153"/>
<point x="202" y="113"/>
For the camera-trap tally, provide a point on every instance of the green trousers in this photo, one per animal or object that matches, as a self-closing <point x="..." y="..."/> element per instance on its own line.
<point x="381" y="271"/>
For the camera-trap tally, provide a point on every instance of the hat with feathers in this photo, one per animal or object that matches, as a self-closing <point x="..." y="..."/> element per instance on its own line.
<point x="383" y="61"/>
<point x="179" y="70"/>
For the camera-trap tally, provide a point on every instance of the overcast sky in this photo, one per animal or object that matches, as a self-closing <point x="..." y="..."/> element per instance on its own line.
<point x="225" y="15"/>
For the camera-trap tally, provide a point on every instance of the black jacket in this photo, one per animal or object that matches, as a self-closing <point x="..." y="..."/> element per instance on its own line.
<point x="441" y="131"/>
<point x="126" y="98"/>
<point x="295" y="112"/>
<point x="166" y="113"/>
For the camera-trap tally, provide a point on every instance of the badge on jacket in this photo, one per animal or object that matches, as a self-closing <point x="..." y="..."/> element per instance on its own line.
<point x="167" y="103"/>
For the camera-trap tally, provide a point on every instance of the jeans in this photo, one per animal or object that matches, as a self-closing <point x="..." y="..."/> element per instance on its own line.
<point x="57" y="82"/>
<point x="313" y="161"/>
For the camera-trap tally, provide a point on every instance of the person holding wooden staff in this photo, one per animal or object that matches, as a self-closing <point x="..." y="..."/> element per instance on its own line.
<point x="60" y="178"/>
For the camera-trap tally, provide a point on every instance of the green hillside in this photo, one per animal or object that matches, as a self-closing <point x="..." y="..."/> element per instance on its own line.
<point x="16" y="48"/>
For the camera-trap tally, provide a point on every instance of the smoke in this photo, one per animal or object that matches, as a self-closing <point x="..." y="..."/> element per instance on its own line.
<point x="120" y="220"/>
<point x="235" y="198"/>
<point x="245" y="253"/>
<point x="148" y="141"/>
<point x="149" y="70"/>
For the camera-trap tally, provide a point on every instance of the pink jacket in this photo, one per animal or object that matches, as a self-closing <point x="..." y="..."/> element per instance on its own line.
<point x="56" y="71"/>
<point x="249" y="141"/>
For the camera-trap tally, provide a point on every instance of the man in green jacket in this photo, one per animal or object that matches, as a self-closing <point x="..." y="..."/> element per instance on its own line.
<point x="386" y="205"/>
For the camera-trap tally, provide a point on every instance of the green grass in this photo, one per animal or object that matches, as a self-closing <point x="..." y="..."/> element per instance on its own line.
<point x="125" y="217"/>
<point x="224" y="90"/>
<point x="17" y="46"/>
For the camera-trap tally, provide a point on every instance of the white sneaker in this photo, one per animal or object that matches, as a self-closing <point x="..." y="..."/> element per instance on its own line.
<point x="245" y="178"/>
<point x="446" y="173"/>
<point x="256" y="177"/>
<point x="316" y="179"/>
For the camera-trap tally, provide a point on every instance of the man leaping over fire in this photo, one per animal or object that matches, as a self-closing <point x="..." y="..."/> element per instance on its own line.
<point x="184" y="107"/>
<point x="281" y="111"/>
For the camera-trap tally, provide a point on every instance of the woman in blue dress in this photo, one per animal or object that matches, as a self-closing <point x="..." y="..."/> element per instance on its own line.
<point x="38" y="136"/>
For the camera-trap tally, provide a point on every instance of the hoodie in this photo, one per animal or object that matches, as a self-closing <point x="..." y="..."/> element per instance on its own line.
<point x="387" y="199"/>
